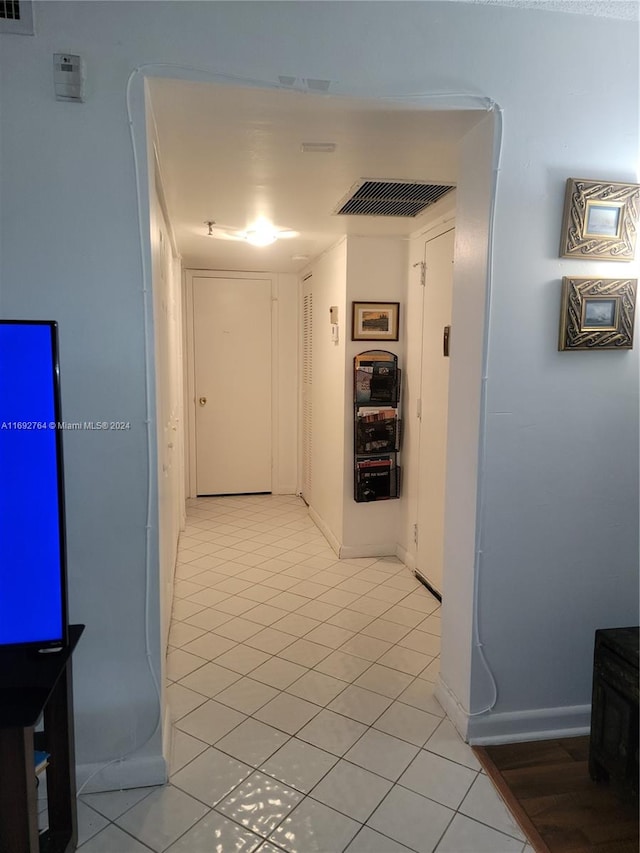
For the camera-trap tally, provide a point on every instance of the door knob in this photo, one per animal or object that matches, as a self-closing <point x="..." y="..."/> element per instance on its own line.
<point x="203" y="401"/>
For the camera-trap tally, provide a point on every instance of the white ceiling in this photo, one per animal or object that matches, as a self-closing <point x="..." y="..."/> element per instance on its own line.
<point x="626" y="10"/>
<point x="233" y="154"/>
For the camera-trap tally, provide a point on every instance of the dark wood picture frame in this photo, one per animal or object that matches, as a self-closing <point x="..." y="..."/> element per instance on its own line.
<point x="375" y="321"/>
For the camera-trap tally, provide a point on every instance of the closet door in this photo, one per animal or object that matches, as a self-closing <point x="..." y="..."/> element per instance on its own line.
<point x="434" y="407"/>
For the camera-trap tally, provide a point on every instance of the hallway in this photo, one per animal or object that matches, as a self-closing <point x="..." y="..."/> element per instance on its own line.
<point x="301" y="697"/>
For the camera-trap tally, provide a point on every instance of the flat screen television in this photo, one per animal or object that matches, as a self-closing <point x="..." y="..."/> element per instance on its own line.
<point x="33" y="596"/>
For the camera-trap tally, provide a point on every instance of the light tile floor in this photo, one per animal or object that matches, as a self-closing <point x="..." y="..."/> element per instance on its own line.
<point x="301" y="690"/>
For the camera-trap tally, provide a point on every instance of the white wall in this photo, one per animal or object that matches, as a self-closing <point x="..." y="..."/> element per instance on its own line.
<point x="287" y="369"/>
<point x="166" y="292"/>
<point x="329" y="285"/>
<point x="376" y="272"/>
<point x="360" y="269"/>
<point x="465" y="421"/>
<point x="169" y="420"/>
<point x="559" y="523"/>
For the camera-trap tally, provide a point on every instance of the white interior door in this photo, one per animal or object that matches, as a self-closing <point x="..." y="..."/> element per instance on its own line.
<point x="434" y="407"/>
<point x="232" y="361"/>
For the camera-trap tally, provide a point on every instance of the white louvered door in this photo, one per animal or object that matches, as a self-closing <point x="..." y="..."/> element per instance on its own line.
<point x="307" y="388"/>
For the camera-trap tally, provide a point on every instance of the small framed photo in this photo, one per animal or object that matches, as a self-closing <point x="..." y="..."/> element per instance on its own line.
<point x="600" y="220"/>
<point x="375" y="321"/>
<point x="597" y="313"/>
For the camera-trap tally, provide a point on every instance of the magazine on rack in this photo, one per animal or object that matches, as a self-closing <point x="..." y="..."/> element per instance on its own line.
<point x="375" y="477"/>
<point x="376" y="430"/>
<point x="383" y="382"/>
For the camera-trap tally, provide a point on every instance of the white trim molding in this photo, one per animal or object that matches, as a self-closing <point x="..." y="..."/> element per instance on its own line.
<point x="406" y="556"/>
<point x="326" y="531"/>
<point x="141" y="772"/>
<point x="537" y="724"/>
<point x="513" y="726"/>
<point x="452" y="707"/>
<point x="351" y="552"/>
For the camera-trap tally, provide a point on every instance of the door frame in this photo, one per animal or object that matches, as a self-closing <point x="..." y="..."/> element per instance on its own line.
<point x="190" y="372"/>
<point x="485" y="139"/>
<point x="304" y="287"/>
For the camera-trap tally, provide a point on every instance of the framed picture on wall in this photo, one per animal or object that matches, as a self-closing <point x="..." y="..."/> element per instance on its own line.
<point x="375" y="321"/>
<point x="597" y="313"/>
<point x="600" y="220"/>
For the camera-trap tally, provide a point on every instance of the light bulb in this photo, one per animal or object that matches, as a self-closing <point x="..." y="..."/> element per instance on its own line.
<point x="261" y="237"/>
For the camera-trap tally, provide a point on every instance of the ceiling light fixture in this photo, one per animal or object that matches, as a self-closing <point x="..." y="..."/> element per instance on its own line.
<point x="260" y="234"/>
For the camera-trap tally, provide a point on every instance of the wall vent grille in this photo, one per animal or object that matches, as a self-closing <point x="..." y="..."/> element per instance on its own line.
<point x="10" y="10"/>
<point x="16" y="16"/>
<point x="390" y="198"/>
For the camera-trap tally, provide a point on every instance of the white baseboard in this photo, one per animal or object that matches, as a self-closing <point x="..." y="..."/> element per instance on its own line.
<point x="514" y="726"/>
<point x="407" y="557"/>
<point x="351" y="552"/>
<point x="120" y="774"/>
<point x="452" y="707"/>
<point x="284" y="490"/>
<point x="167" y="731"/>
<point x="538" y="724"/>
<point x="326" y="532"/>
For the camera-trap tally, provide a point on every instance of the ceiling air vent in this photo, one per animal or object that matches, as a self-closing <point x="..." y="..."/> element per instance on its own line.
<point x="390" y="198"/>
<point x="16" y="16"/>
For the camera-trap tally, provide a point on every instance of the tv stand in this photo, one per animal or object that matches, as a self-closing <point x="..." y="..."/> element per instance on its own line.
<point x="32" y="685"/>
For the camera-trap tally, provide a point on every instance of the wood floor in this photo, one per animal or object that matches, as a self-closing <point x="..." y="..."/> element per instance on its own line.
<point x="561" y="810"/>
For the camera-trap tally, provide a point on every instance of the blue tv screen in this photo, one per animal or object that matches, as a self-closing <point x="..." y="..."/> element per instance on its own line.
<point x="33" y="607"/>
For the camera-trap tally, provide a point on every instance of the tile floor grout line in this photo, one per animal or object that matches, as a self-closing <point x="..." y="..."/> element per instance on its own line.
<point x="407" y="592"/>
<point x="339" y="757"/>
<point x="320" y="707"/>
<point x="292" y="736"/>
<point x="286" y="688"/>
<point x="394" y="701"/>
<point x="287" y="784"/>
<point x="303" y="636"/>
<point x="393" y="645"/>
<point x="82" y="798"/>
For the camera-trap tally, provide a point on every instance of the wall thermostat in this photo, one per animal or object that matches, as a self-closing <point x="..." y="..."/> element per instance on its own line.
<point x="68" y="77"/>
<point x="333" y="319"/>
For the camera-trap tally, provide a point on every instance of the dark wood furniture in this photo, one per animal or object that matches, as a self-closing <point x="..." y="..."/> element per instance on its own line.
<point x="613" y="749"/>
<point x="33" y="685"/>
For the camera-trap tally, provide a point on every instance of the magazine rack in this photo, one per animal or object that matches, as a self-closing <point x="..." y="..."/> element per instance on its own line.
<point x="33" y="684"/>
<point x="377" y="426"/>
